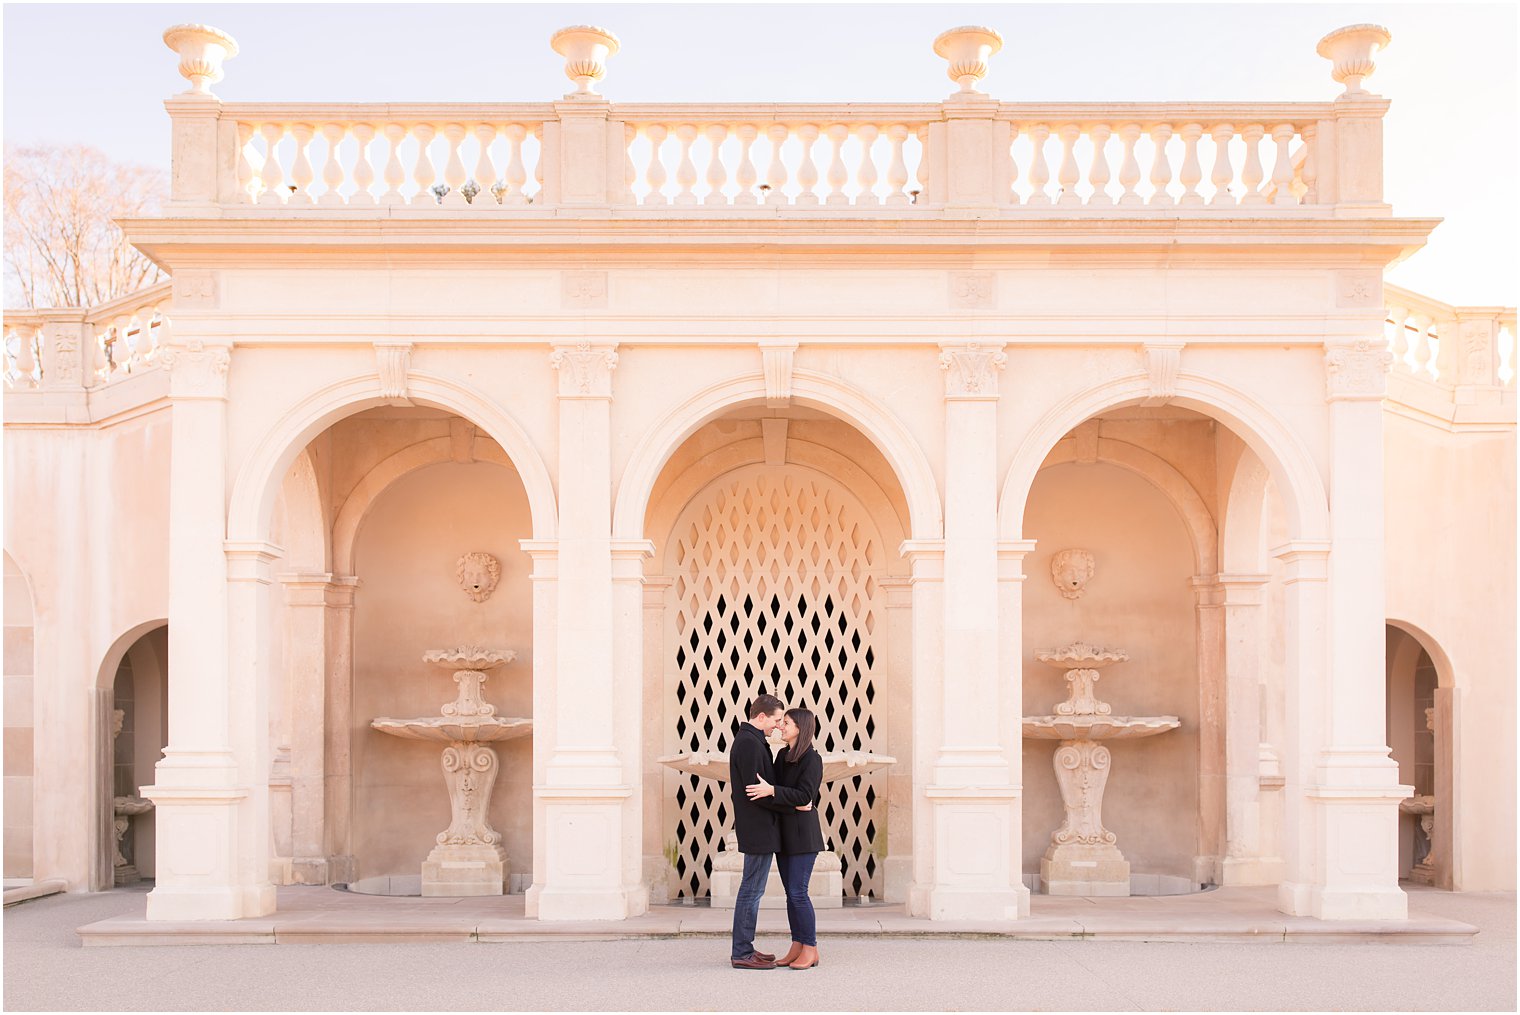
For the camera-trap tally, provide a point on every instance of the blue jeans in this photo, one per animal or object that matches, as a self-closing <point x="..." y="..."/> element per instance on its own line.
<point x="757" y="867"/>
<point x="796" y="870"/>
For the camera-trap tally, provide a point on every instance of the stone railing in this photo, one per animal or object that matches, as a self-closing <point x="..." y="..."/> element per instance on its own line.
<point x="1469" y="347"/>
<point x="966" y="156"/>
<point x="74" y="347"/>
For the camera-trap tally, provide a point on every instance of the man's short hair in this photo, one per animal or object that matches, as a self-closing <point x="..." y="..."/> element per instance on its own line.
<point x="765" y="705"/>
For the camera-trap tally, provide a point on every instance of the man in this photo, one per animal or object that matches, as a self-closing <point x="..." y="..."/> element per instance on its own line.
<point x="756" y="824"/>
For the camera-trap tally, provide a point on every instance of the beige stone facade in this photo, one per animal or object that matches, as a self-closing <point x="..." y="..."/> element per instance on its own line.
<point x="804" y="399"/>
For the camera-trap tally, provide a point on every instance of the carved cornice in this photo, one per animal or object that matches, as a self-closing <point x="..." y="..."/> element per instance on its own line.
<point x="1357" y="372"/>
<point x="585" y="371"/>
<point x="971" y="371"/>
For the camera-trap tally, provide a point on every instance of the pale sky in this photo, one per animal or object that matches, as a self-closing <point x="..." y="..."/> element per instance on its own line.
<point x="98" y="74"/>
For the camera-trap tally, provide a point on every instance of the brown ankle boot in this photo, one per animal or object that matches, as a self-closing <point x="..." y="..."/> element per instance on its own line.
<point x="807" y="960"/>
<point x="791" y="955"/>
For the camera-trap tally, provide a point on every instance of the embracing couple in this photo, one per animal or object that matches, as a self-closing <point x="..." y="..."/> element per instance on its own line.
<point x="775" y="812"/>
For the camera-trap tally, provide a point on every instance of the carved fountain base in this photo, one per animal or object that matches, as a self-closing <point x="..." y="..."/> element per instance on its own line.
<point x="1088" y="869"/>
<point x="452" y="871"/>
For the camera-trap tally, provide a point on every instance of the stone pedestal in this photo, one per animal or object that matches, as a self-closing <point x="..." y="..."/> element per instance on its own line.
<point x="1088" y="869"/>
<point x="825" y="887"/>
<point x="460" y="870"/>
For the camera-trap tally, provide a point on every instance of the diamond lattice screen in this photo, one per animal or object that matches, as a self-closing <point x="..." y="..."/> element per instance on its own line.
<point x="775" y="586"/>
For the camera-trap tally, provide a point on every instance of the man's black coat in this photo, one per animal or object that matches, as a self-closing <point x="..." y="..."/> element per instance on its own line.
<point x="754" y="820"/>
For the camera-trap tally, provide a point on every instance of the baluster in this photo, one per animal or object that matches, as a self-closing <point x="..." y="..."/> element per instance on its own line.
<point x="1422" y="350"/>
<point x="656" y="133"/>
<point x="154" y="340"/>
<point x="748" y="175"/>
<point x="485" y="169"/>
<point x="1039" y="172"/>
<point x="1192" y="169"/>
<point x="807" y="170"/>
<point x="422" y="173"/>
<point x="1446" y="353"/>
<point x="1223" y="175"/>
<point x="364" y="169"/>
<point x="99" y="368"/>
<point x="395" y="173"/>
<point x="866" y="175"/>
<point x="630" y="171"/>
<point x="538" y="166"/>
<point x="1013" y="166"/>
<point x="717" y="175"/>
<point x="1311" y="165"/>
<point x="245" y="171"/>
<point x="301" y="172"/>
<point x="165" y="325"/>
<point x="1282" y="168"/>
<point x="1129" y="167"/>
<point x="924" y="172"/>
<point x="1398" y="343"/>
<point x="517" y="170"/>
<point x="271" y="172"/>
<point x="1098" y="173"/>
<point x="1251" y="174"/>
<point x="1161" y="165"/>
<point x="1068" y="175"/>
<point x="139" y="323"/>
<point x="775" y="173"/>
<point x="897" y="167"/>
<point x="111" y="346"/>
<point x="838" y="176"/>
<point x="26" y="355"/>
<point x="686" y="169"/>
<point x="332" y="169"/>
<point x="454" y="175"/>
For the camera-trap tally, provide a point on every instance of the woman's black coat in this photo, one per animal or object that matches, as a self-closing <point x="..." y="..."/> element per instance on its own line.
<point x="797" y="783"/>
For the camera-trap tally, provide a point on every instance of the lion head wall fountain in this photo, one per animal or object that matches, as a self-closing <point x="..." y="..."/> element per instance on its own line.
<point x="1083" y="857"/>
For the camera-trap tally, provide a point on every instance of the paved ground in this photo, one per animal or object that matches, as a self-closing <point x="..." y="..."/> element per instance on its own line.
<point x="46" y="968"/>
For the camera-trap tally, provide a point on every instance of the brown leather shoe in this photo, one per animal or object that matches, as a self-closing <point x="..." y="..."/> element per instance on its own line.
<point x="766" y="956"/>
<point x="807" y="960"/>
<point x="753" y="961"/>
<point x="791" y="955"/>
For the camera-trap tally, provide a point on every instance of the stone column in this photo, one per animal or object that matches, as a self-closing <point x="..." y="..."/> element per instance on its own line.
<point x="974" y="800"/>
<point x="198" y="790"/>
<point x="337" y="756"/>
<point x="1350" y="780"/>
<point x="1208" y="609"/>
<point x="1243" y="863"/>
<point x="306" y="670"/>
<point x="586" y="795"/>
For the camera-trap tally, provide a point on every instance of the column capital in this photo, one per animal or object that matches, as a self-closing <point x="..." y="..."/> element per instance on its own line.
<point x="197" y="370"/>
<point x="545" y="555"/>
<point x="1357" y="372"/>
<point x="1304" y="560"/>
<point x="251" y="560"/>
<point x="926" y="557"/>
<point x="971" y="370"/>
<point x="305" y="588"/>
<point x="628" y="556"/>
<point x="585" y="369"/>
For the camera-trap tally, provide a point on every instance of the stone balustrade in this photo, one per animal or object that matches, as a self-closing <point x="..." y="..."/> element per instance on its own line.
<point x="1448" y="345"/>
<point x="86" y="347"/>
<point x="1109" y="158"/>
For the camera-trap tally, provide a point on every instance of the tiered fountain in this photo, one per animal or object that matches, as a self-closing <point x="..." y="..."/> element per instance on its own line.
<point x="1083" y="857"/>
<point x="468" y="859"/>
<point x="826" y="887"/>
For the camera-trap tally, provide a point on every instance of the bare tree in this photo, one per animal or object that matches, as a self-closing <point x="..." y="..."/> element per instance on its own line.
<point x="61" y="247"/>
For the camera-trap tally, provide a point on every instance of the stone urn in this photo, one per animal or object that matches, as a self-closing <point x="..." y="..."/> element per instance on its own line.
<point x="1350" y="50"/>
<point x="585" y="49"/>
<point x="202" y="50"/>
<point x="967" y="50"/>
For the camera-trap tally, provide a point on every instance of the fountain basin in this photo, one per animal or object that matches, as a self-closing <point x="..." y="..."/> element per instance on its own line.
<point x="1097" y="727"/>
<point x="452" y="729"/>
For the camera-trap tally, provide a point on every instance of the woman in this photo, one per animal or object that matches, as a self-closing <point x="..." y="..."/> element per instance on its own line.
<point x="799" y="773"/>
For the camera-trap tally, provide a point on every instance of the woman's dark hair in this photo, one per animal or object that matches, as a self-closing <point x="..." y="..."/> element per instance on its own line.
<point x="807" y="725"/>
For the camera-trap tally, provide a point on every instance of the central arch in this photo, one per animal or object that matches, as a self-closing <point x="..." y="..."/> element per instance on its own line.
<point x="813" y="390"/>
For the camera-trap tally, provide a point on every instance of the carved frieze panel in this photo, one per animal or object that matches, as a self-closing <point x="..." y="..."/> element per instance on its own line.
<point x="585" y="370"/>
<point x="1357" y="371"/>
<point x="971" y="371"/>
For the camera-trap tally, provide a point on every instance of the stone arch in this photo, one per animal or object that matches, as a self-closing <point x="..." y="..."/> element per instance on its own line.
<point x="256" y="484"/>
<point x="1446" y="673"/>
<point x="814" y="390"/>
<point x="1160" y="474"/>
<point x="1447" y="788"/>
<point x="363" y="496"/>
<point x="1243" y="546"/>
<point x="1284" y="453"/>
<point x="305" y="535"/>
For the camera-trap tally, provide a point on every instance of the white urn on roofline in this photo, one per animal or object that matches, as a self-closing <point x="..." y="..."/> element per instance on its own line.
<point x="202" y="50"/>
<point x="1350" y="50"/>
<point x="585" y="49"/>
<point x="968" y="49"/>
